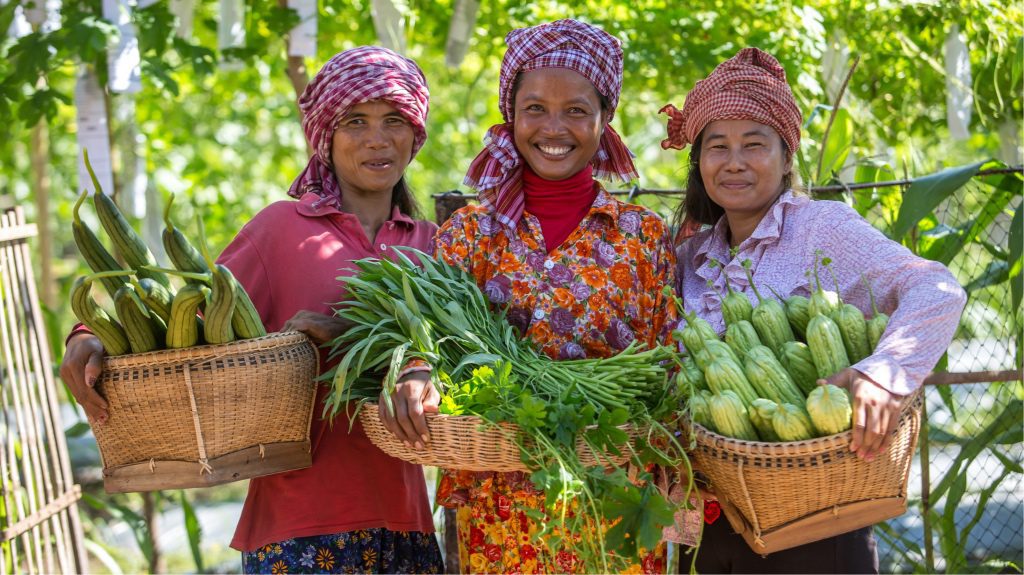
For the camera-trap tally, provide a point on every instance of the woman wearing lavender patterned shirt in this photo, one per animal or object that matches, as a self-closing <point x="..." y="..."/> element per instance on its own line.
<point x="743" y="126"/>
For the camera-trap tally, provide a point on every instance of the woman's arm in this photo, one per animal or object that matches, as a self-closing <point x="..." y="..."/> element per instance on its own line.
<point x="924" y="302"/>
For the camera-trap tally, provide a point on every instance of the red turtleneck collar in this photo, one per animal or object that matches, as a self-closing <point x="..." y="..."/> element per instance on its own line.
<point x="559" y="205"/>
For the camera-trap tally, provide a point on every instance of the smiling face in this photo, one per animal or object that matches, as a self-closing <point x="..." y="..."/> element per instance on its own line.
<point x="371" y="148"/>
<point x="558" y="121"/>
<point x="742" y="164"/>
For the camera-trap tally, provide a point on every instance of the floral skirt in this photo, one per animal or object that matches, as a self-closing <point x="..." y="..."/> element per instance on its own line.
<point x="364" y="551"/>
<point x="496" y="536"/>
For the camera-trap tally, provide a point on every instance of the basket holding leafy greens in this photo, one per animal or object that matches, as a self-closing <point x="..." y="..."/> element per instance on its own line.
<point x="573" y="424"/>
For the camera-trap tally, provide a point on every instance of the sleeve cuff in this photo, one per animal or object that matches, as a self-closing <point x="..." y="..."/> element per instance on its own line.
<point x="888" y="374"/>
<point x="79" y="328"/>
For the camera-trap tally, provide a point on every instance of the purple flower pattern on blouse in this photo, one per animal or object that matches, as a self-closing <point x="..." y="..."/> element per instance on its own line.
<point x="619" y="335"/>
<point x="497" y="289"/>
<point x="571" y="350"/>
<point x="560" y="275"/>
<point x="630" y="223"/>
<point x="562" y="321"/>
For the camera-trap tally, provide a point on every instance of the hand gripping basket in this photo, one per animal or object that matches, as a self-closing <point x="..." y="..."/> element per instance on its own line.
<point x="207" y="415"/>
<point x="781" y="495"/>
<point x="468" y="442"/>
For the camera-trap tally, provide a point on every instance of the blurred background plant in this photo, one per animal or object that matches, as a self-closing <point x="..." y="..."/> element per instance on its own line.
<point x="937" y="86"/>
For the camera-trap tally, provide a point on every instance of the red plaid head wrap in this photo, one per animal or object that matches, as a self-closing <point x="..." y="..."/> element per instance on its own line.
<point x="749" y="86"/>
<point x="350" y="78"/>
<point x="593" y="53"/>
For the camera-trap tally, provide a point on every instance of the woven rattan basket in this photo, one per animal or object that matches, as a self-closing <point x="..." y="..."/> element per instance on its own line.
<point x="207" y="415"/>
<point x="781" y="495"/>
<point x="467" y="442"/>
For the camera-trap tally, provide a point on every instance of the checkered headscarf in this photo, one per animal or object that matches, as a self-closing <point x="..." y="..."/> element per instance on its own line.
<point x="346" y="80"/>
<point x="593" y="53"/>
<point x="749" y="86"/>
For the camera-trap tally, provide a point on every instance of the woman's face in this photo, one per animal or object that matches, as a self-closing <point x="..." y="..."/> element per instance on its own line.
<point x="742" y="164"/>
<point x="371" y="148"/>
<point x="558" y="121"/>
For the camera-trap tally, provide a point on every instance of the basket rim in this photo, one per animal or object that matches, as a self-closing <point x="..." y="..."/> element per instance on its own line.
<point x="813" y="446"/>
<point x="442" y="418"/>
<point x="205" y="352"/>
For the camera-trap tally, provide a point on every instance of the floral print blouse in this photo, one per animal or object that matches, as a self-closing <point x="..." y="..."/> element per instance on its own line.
<point x="590" y="297"/>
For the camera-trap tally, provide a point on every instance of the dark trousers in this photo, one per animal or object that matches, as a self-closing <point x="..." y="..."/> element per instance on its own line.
<point x="722" y="551"/>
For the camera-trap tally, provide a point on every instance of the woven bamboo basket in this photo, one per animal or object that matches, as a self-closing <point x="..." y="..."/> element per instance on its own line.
<point x="469" y="443"/>
<point x="781" y="495"/>
<point x="207" y="415"/>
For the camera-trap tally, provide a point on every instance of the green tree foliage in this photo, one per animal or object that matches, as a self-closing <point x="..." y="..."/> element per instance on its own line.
<point x="230" y="140"/>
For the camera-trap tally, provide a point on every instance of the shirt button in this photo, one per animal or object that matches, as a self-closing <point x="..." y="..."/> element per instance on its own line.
<point x="538" y="314"/>
<point x="383" y="247"/>
<point x="548" y="264"/>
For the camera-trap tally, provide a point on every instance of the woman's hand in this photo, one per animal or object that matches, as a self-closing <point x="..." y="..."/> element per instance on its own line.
<point x="318" y="327"/>
<point x="80" y="369"/>
<point x="876" y="411"/>
<point x="414" y="396"/>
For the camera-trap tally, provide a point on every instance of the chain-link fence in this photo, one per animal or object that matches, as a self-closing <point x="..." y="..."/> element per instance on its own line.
<point x="966" y="511"/>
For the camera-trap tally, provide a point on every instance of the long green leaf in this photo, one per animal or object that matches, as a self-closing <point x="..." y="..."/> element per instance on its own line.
<point x="995" y="273"/>
<point x="194" y="531"/>
<point x="927" y="192"/>
<point x="138" y="525"/>
<point x="1008" y="419"/>
<point x="837" y="148"/>
<point x="948" y="246"/>
<point x="1016" y="253"/>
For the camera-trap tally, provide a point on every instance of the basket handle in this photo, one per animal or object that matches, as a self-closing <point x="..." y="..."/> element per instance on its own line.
<point x="204" y="465"/>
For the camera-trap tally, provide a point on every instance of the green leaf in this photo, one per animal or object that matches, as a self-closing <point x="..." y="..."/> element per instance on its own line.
<point x="121" y="512"/>
<point x="952" y="240"/>
<point x="79" y="429"/>
<point x="1009" y="419"/>
<point x="837" y="148"/>
<point x="641" y="512"/>
<point x="1016" y="261"/>
<point x="927" y="192"/>
<point x="194" y="531"/>
<point x="994" y="273"/>
<point x="531" y="413"/>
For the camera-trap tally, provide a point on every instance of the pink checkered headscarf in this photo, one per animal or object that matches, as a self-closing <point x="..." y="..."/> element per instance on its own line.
<point x="350" y="78"/>
<point x="749" y="86"/>
<point x="593" y="53"/>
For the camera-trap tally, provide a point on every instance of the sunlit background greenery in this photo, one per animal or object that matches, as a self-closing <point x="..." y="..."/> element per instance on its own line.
<point x="229" y="138"/>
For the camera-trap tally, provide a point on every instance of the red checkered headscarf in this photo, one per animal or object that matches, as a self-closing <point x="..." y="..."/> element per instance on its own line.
<point x="346" y="80"/>
<point x="749" y="86"/>
<point x="593" y="53"/>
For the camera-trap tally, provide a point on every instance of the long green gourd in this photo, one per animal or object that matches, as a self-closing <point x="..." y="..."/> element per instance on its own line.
<point x="93" y="251"/>
<point x="109" y="331"/>
<point x="126" y="241"/>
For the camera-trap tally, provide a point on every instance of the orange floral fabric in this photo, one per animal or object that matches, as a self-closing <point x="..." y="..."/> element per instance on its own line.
<point x="590" y="297"/>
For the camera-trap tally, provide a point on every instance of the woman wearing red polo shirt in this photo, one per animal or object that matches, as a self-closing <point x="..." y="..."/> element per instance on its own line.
<point x="355" y="509"/>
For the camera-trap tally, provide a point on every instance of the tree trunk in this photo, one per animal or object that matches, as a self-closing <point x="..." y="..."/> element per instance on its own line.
<point x="151" y="513"/>
<point x="40" y="157"/>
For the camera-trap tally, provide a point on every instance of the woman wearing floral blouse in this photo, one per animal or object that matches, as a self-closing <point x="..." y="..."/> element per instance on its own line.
<point x="580" y="273"/>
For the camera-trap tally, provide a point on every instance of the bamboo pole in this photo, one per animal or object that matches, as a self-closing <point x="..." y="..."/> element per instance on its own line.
<point x="23" y="468"/>
<point x="59" y="480"/>
<point x="24" y="323"/>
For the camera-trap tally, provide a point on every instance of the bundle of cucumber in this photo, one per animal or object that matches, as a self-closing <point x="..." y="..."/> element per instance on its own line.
<point x="150" y="314"/>
<point x="760" y="383"/>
